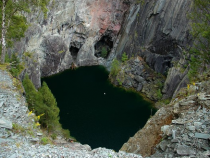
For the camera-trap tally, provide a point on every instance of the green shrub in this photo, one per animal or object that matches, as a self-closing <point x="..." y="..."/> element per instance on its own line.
<point x="119" y="81"/>
<point x="164" y="102"/>
<point x="159" y="94"/>
<point x="115" y="68"/>
<point x="159" y="84"/>
<point x="66" y="133"/>
<point x="7" y="59"/>
<point x="16" y="128"/>
<point x="124" y="57"/>
<point x="42" y="102"/>
<point x="140" y="2"/>
<point x="54" y="136"/>
<point x="61" y="51"/>
<point x="44" y="140"/>
<point x="16" y="67"/>
<point x="28" y="54"/>
<point x="104" y="52"/>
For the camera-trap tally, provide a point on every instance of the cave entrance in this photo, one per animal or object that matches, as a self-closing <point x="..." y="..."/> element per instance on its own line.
<point x="74" y="51"/>
<point x="103" y="47"/>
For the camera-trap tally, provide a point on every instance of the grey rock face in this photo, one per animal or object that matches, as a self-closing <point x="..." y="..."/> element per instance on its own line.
<point x="157" y="31"/>
<point x="86" y="54"/>
<point x="136" y="74"/>
<point x="69" y="35"/>
<point x="54" y="50"/>
<point x="159" y="34"/>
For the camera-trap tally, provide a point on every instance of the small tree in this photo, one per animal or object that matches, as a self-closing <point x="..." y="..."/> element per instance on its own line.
<point x="51" y="110"/>
<point x="42" y="101"/>
<point x="124" y="57"/>
<point x="104" y="52"/>
<point x="16" y="66"/>
<point x="115" y="68"/>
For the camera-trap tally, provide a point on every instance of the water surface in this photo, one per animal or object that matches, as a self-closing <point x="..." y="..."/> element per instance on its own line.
<point x="96" y="112"/>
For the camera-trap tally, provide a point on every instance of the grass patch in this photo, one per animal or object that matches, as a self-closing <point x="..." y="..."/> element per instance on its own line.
<point x="45" y="140"/>
<point x="4" y="66"/>
<point x="16" y="128"/>
<point x="18" y="85"/>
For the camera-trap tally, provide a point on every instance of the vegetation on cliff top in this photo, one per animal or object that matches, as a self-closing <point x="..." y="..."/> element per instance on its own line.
<point x="200" y="52"/>
<point x="13" y="22"/>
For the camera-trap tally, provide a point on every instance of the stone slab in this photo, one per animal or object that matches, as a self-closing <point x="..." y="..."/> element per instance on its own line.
<point x="5" y="123"/>
<point x="202" y="136"/>
<point x="185" y="150"/>
<point x="191" y="128"/>
<point x="1" y="103"/>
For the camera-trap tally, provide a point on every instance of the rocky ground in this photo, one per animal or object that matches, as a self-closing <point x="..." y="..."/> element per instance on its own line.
<point x="181" y="129"/>
<point x="21" y="137"/>
<point x="189" y="134"/>
<point x="136" y="74"/>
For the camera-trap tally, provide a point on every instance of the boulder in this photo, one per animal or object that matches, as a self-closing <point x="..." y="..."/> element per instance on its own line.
<point x="191" y="128"/>
<point x="139" y="88"/>
<point x="87" y="147"/>
<point x="202" y="136"/>
<point x="176" y="108"/>
<point x="139" y="79"/>
<point x="1" y="103"/>
<point x="166" y="130"/>
<point x="185" y="150"/>
<point x="5" y="123"/>
<point x="163" y="145"/>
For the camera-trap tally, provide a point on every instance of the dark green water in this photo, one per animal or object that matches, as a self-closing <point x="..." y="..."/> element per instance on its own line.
<point x="94" y="118"/>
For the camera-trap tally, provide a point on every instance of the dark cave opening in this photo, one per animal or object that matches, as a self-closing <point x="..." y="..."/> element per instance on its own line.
<point x="103" y="47"/>
<point x="74" y="51"/>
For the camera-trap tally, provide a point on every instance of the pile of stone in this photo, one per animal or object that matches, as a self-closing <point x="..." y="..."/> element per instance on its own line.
<point x="19" y="149"/>
<point x="189" y="134"/>
<point x="13" y="109"/>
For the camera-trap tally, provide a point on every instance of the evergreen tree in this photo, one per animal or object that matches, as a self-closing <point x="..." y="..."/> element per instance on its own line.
<point x="124" y="57"/>
<point x="42" y="102"/>
<point x="115" y="68"/>
<point x="200" y="52"/>
<point x="52" y="111"/>
<point x="104" y="52"/>
<point x="16" y="66"/>
<point x="34" y="100"/>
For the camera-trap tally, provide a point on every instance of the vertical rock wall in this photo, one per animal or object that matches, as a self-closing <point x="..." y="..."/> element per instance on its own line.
<point x="158" y="31"/>
<point x="69" y="33"/>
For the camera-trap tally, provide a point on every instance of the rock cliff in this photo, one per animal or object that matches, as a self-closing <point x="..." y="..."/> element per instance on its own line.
<point x="73" y="32"/>
<point x="158" y="31"/>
